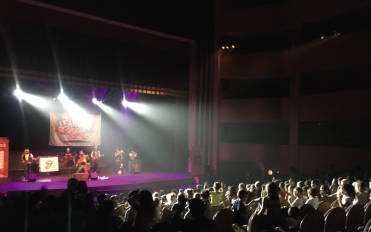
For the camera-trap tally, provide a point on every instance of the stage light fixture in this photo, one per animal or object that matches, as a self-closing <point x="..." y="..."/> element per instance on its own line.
<point x="138" y="107"/>
<point x="233" y="46"/>
<point x="19" y="93"/>
<point x="226" y="47"/>
<point x="223" y="47"/>
<point x="94" y="100"/>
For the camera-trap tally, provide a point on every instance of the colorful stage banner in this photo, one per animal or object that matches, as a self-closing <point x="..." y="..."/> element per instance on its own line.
<point x="4" y="157"/>
<point x="49" y="164"/>
<point x="75" y="130"/>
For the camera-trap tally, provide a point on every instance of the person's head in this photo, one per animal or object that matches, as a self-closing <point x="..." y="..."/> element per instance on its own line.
<point x="106" y="208"/>
<point x="133" y="196"/>
<point x="197" y="195"/>
<point x="323" y="190"/>
<point x="146" y="203"/>
<point x="293" y="212"/>
<point x="95" y="148"/>
<point x="282" y="185"/>
<point x="68" y="150"/>
<point x="81" y="152"/>
<point x="157" y="202"/>
<point x="196" y="208"/>
<point x="82" y="187"/>
<point x="306" y="190"/>
<point x="181" y="190"/>
<point x="258" y="184"/>
<point x="300" y="184"/>
<point x="164" y="198"/>
<point x="272" y="191"/>
<point x="27" y="151"/>
<point x="344" y="182"/>
<point x="348" y="190"/>
<point x="335" y="182"/>
<point x="243" y="196"/>
<point x="298" y="192"/>
<point x="241" y="186"/>
<point x="315" y="184"/>
<point x="205" y="195"/>
<point x="180" y="197"/>
<point x="291" y="188"/>
<point x="101" y="198"/>
<point x="217" y="186"/>
<point x="72" y="185"/>
<point x="156" y="195"/>
<point x="232" y="192"/>
<point x="189" y="193"/>
<point x="171" y="197"/>
<point x="359" y="186"/>
<point x="312" y="192"/>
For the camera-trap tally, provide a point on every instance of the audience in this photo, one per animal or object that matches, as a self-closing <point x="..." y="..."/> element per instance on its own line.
<point x="77" y="209"/>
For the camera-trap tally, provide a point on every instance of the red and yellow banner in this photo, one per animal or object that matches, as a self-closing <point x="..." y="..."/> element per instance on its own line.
<point x="4" y="157"/>
<point x="70" y="130"/>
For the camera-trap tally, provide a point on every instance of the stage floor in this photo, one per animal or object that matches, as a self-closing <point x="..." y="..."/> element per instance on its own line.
<point x="113" y="183"/>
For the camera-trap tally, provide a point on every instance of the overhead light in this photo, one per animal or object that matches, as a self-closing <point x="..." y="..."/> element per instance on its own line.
<point x="233" y="46"/>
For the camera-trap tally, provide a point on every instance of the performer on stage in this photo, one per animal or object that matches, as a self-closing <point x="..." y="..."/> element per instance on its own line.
<point x="27" y="158"/>
<point x="118" y="158"/>
<point x="67" y="157"/>
<point x="95" y="155"/>
<point x="132" y="162"/>
<point x="81" y="162"/>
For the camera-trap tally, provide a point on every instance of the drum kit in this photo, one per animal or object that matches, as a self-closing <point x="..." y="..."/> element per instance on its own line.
<point x="68" y="160"/>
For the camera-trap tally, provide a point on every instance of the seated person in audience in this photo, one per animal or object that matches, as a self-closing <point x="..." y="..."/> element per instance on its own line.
<point x="217" y="193"/>
<point x="163" y="200"/>
<point x="361" y="196"/>
<point x="177" y="204"/>
<point x="231" y="195"/>
<point x="292" y="221"/>
<point x="205" y="198"/>
<point x="239" y="208"/>
<point x="323" y="190"/>
<point x="291" y="197"/>
<point x="299" y="201"/>
<point x="315" y="184"/>
<point x="305" y="193"/>
<point x="130" y="213"/>
<point x="198" y="224"/>
<point x="258" y="186"/>
<point x="342" y="182"/>
<point x="334" y="186"/>
<point x="158" y="212"/>
<point x="312" y="194"/>
<point x="346" y="197"/>
<point x="283" y="192"/>
<point x="171" y="199"/>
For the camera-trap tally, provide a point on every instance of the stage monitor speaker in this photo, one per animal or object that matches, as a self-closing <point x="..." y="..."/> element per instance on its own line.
<point x="94" y="175"/>
<point x="32" y="177"/>
<point x="81" y="176"/>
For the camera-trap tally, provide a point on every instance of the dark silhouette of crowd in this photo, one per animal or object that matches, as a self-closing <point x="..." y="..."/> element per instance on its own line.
<point x="191" y="209"/>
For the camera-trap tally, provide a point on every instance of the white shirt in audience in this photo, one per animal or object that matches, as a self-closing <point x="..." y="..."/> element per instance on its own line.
<point x="312" y="201"/>
<point x="297" y="202"/>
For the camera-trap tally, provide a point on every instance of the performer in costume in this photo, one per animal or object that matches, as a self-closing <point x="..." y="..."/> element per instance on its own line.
<point x="95" y="155"/>
<point x="118" y="158"/>
<point x="81" y="162"/>
<point x="27" y="158"/>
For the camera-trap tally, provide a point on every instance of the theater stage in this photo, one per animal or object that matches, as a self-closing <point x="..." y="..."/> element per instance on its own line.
<point x="113" y="184"/>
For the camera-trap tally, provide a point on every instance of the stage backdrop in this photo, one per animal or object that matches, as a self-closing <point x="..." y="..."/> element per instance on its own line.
<point x="66" y="131"/>
<point x="4" y="155"/>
